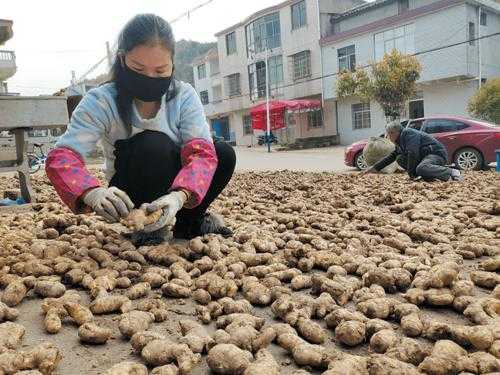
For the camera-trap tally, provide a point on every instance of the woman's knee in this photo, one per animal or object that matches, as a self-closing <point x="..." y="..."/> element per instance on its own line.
<point x="153" y="144"/>
<point x="225" y="155"/>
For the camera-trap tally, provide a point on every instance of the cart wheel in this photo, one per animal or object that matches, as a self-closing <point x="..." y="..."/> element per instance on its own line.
<point x="34" y="165"/>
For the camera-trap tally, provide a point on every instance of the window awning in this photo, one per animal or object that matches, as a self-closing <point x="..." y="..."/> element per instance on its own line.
<point x="277" y="110"/>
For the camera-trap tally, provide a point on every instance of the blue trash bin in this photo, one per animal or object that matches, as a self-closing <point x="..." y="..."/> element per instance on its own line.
<point x="497" y="152"/>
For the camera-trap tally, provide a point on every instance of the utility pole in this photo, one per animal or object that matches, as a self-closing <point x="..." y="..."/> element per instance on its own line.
<point x="479" y="60"/>
<point x="109" y="56"/>
<point x="268" y="132"/>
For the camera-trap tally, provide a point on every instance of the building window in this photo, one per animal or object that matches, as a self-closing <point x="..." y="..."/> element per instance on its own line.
<point x="334" y="25"/>
<point x="216" y="93"/>
<point x="204" y="97"/>
<point x="263" y="33"/>
<point x="314" y="119"/>
<point x="257" y="80"/>
<point x="472" y="33"/>
<point x="483" y="20"/>
<point x="202" y="71"/>
<point x="231" y="43"/>
<point x="347" y="58"/>
<point x="257" y="76"/>
<point x="38" y="133"/>
<point x="214" y="67"/>
<point x="401" y="39"/>
<point x="299" y="15"/>
<point x="416" y="106"/>
<point x="403" y="6"/>
<point x="361" y="116"/>
<point x="301" y="65"/>
<point x="233" y="84"/>
<point x="247" y="125"/>
<point x="57" y="132"/>
<point x="275" y="70"/>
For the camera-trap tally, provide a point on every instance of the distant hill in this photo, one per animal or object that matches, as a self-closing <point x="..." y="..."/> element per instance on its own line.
<point x="185" y="53"/>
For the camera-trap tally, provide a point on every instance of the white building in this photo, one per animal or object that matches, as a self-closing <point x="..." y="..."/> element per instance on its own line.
<point x="232" y="79"/>
<point x="7" y="58"/>
<point x="7" y="69"/>
<point x="437" y="31"/>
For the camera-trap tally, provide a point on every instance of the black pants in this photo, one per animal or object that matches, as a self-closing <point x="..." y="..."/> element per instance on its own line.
<point x="147" y="164"/>
<point x="433" y="167"/>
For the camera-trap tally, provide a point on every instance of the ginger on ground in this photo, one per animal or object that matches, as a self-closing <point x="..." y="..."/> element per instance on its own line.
<point x="137" y="219"/>
<point x="195" y="336"/>
<point x="162" y="352"/>
<point x="127" y="368"/>
<point x="135" y="321"/>
<point x="7" y="313"/>
<point x="264" y="364"/>
<point x="91" y="333"/>
<point x="228" y="359"/>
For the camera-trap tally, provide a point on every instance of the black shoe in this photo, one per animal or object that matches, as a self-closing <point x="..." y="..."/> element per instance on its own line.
<point x="213" y="223"/>
<point x="146" y="239"/>
<point x="208" y="223"/>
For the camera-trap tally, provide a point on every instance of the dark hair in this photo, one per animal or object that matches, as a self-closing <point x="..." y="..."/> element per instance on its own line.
<point x="140" y="30"/>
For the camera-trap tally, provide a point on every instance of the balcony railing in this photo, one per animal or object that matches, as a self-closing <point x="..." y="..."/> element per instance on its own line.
<point x="7" y="55"/>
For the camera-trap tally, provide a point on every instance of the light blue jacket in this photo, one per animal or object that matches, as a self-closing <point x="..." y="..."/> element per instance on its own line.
<point x="96" y="119"/>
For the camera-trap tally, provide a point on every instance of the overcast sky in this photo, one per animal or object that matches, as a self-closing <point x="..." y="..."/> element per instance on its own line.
<point x="54" y="37"/>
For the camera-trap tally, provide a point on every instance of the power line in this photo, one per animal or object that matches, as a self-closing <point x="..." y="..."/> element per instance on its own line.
<point x="187" y="13"/>
<point x="34" y="87"/>
<point x="323" y="76"/>
<point x="363" y="66"/>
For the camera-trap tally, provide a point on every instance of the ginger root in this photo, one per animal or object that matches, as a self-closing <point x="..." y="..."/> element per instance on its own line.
<point x="264" y="364"/>
<point x="91" y="333"/>
<point x="195" y="336"/>
<point x="79" y="313"/>
<point x="162" y="352"/>
<point x="127" y="368"/>
<point x="228" y="359"/>
<point x="7" y="313"/>
<point x="137" y="219"/>
<point x="135" y="321"/>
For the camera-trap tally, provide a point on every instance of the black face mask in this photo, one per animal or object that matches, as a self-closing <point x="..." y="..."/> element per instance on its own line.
<point x="143" y="87"/>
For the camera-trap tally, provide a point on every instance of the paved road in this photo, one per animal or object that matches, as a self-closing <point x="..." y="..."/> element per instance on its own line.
<point x="329" y="159"/>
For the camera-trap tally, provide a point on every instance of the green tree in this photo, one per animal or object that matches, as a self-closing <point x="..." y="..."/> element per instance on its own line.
<point x="390" y="82"/>
<point x="485" y="103"/>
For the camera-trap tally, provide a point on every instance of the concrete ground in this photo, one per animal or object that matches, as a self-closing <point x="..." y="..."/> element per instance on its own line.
<point x="327" y="159"/>
<point x="330" y="159"/>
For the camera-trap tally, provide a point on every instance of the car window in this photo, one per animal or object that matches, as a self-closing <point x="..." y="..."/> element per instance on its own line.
<point x="443" y="126"/>
<point x="416" y="124"/>
<point x="484" y="123"/>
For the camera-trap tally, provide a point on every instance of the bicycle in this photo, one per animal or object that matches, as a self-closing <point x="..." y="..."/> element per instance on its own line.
<point x="37" y="158"/>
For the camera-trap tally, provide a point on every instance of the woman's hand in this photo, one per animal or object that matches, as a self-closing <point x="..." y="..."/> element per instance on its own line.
<point x="368" y="170"/>
<point x="110" y="203"/>
<point x="170" y="204"/>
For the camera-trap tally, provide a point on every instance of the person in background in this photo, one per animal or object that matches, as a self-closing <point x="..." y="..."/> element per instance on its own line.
<point x="424" y="156"/>
<point x="159" y="153"/>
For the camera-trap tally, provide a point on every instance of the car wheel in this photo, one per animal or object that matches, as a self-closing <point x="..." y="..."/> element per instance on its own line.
<point x="468" y="159"/>
<point x="359" y="161"/>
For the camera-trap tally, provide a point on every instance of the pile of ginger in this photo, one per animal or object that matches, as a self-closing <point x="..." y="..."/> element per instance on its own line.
<point x="325" y="274"/>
